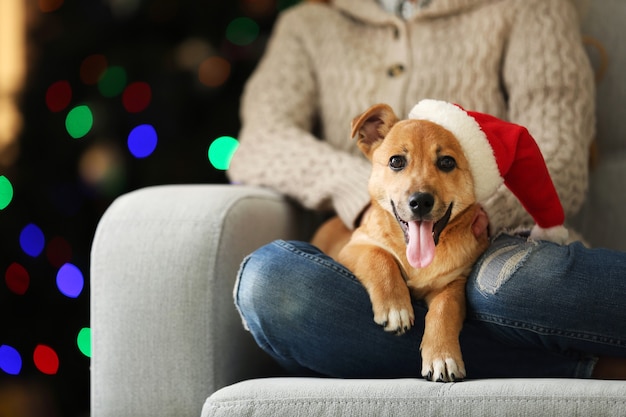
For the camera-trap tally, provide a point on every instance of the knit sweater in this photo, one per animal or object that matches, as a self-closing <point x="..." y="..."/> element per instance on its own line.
<point x="520" y="60"/>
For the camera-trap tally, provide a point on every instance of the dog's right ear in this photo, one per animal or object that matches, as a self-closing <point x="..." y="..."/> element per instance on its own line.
<point x="372" y="126"/>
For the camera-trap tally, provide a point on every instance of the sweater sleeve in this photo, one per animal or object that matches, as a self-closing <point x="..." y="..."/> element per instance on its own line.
<point x="550" y="85"/>
<point x="277" y="148"/>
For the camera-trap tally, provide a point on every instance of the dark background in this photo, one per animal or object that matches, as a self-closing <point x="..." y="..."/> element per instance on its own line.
<point x="159" y="42"/>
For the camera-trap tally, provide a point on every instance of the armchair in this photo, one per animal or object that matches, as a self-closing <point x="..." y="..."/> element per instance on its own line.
<point x="167" y="338"/>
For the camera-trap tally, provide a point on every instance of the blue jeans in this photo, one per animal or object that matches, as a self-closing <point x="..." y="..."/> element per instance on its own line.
<point x="535" y="309"/>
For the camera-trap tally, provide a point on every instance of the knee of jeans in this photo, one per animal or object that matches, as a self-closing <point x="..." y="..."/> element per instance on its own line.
<point x="248" y="288"/>
<point x="498" y="265"/>
<point x="241" y="292"/>
<point x="265" y="288"/>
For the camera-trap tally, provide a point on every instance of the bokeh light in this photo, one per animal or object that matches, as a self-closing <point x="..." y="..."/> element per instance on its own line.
<point x="242" y="31"/>
<point x="142" y="141"/>
<point x="6" y="192"/>
<point x="136" y="97"/>
<point x="102" y="167"/>
<point x="92" y="68"/>
<point x="58" y="252"/>
<point x="32" y="240"/>
<point x="112" y="82"/>
<point x="46" y="359"/>
<point x="258" y="8"/>
<point x="70" y="281"/>
<point x="79" y="121"/>
<point x="17" y="278"/>
<point x="84" y="341"/>
<point x="221" y="151"/>
<point x="47" y="6"/>
<point x="58" y="96"/>
<point x="10" y="360"/>
<point x="214" y="71"/>
<point x="191" y="52"/>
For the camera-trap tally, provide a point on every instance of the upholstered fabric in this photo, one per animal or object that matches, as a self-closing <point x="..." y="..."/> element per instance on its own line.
<point x="602" y="221"/>
<point x="415" y="397"/>
<point x="165" y="330"/>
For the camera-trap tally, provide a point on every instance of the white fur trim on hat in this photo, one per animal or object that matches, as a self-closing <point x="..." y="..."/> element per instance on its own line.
<point x="556" y="234"/>
<point x="473" y="140"/>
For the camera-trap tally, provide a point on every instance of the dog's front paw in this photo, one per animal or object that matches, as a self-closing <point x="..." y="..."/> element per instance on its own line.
<point x="442" y="368"/>
<point x="396" y="319"/>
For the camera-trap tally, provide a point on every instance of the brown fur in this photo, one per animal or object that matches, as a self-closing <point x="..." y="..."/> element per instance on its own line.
<point x="376" y="252"/>
<point x="332" y="236"/>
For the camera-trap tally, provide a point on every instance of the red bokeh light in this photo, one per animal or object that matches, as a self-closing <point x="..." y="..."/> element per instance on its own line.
<point x="58" y="96"/>
<point x="136" y="97"/>
<point x="46" y="359"/>
<point x="58" y="252"/>
<point x="17" y="278"/>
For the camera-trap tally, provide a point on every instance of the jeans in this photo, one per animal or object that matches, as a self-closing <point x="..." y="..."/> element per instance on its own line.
<point x="534" y="309"/>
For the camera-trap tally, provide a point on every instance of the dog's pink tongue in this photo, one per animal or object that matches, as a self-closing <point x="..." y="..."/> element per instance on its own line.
<point x="420" y="250"/>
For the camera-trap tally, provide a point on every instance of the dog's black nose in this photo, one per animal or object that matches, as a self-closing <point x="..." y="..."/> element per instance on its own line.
<point x="421" y="203"/>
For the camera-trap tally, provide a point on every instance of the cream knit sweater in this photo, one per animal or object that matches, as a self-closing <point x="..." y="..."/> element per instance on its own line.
<point x="521" y="60"/>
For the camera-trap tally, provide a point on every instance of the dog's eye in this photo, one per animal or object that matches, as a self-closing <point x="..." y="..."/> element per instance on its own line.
<point x="446" y="163"/>
<point x="397" y="162"/>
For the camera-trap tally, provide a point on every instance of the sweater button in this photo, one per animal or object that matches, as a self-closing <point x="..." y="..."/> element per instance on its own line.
<point x="395" y="70"/>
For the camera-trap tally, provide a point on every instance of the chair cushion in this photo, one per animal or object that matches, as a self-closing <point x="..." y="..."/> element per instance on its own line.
<point x="412" y="397"/>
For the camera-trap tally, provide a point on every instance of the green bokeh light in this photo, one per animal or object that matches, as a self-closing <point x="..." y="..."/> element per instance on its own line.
<point x="221" y="152"/>
<point x="242" y="31"/>
<point x="6" y="192"/>
<point x="84" y="341"/>
<point x="79" y="121"/>
<point x="112" y="82"/>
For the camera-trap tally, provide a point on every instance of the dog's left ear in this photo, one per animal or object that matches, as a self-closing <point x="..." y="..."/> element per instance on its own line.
<point x="372" y="127"/>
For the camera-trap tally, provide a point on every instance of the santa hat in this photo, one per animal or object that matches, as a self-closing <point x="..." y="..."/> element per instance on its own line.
<point x="502" y="152"/>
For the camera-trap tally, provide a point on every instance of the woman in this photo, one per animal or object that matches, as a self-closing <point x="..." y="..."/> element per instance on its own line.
<point x="520" y="60"/>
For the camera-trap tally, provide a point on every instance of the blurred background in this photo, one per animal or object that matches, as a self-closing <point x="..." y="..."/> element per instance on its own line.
<point x="98" y="98"/>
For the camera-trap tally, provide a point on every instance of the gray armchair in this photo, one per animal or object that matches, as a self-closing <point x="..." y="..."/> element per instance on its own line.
<point x="168" y="340"/>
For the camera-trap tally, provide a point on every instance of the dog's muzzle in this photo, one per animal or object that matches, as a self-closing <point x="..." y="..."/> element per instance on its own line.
<point x="438" y="226"/>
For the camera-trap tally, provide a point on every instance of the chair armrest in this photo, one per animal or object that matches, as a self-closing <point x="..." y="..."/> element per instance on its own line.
<point x="164" y="260"/>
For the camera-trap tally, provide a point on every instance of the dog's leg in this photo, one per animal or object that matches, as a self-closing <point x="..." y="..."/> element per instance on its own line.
<point x="380" y="275"/>
<point x="441" y="351"/>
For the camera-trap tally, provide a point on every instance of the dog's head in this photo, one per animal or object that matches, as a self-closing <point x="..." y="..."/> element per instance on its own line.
<point x="419" y="174"/>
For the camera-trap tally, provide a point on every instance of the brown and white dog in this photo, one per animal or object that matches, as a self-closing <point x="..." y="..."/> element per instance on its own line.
<point x="416" y="238"/>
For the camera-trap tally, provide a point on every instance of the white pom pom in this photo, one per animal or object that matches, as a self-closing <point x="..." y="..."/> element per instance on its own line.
<point x="556" y="234"/>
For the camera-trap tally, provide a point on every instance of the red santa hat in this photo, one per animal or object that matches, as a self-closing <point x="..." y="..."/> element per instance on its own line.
<point x="502" y="152"/>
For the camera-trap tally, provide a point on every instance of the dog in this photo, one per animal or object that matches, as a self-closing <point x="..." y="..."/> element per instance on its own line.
<point x="416" y="238"/>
